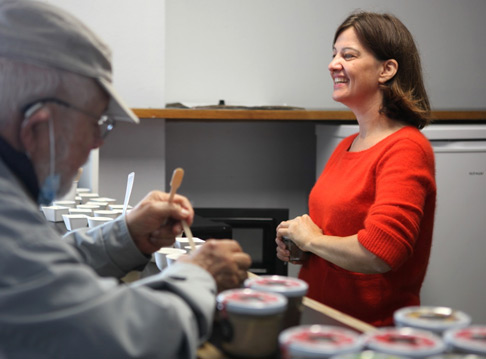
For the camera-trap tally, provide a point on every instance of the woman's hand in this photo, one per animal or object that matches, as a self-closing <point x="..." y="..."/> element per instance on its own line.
<point x="154" y="222"/>
<point x="282" y="251"/>
<point x="300" y="230"/>
<point x="345" y="252"/>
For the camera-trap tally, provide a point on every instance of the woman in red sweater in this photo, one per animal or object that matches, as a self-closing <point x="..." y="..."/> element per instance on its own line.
<point x="371" y="212"/>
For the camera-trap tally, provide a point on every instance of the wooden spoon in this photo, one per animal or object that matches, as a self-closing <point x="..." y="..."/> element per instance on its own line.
<point x="175" y="183"/>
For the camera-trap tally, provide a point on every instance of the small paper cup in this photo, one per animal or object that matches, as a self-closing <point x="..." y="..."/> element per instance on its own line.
<point x="105" y="213"/>
<point x="82" y="190"/>
<point x="88" y="206"/>
<point x="54" y="213"/>
<point x="85" y="211"/>
<point x="96" y="221"/>
<point x="188" y="248"/>
<point x="69" y="204"/>
<point x="85" y="197"/>
<point x="115" y="207"/>
<point x="182" y="242"/>
<point x="162" y="253"/>
<point x="75" y="221"/>
<point x="104" y="199"/>
<point x="173" y="257"/>
<point x="101" y="205"/>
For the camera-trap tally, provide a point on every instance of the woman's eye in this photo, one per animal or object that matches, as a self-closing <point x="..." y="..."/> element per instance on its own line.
<point x="348" y="56"/>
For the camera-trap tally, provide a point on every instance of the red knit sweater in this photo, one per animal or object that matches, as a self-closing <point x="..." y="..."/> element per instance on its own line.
<point x="386" y="194"/>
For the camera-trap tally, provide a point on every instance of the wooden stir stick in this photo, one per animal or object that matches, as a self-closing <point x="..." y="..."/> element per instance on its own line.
<point x="175" y="183"/>
<point x="78" y="175"/>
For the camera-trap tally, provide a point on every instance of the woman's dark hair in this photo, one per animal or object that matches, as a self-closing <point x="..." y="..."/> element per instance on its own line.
<point x="404" y="96"/>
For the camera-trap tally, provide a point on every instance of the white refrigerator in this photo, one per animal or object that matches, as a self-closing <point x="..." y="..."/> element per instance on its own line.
<point x="456" y="276"/>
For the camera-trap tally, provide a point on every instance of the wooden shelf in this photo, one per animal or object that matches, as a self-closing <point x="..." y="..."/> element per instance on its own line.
<point x="287" y="115"/>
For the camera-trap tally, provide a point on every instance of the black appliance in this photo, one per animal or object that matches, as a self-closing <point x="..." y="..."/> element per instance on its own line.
<point x="253" y="228"/>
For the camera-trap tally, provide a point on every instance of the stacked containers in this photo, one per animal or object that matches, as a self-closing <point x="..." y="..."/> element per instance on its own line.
<point x="435" y="319"/>
<point x="409" y="342"/>
<point x="467" y="340"/>
<point x="452" y="325"/>
<point x="250" y="322"/>
<point x="292" y="288"/>
<point x="367" y="354"/>
<point x="318" y="341"/>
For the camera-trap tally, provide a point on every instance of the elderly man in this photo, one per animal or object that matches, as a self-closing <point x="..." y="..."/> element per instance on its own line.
<point x="61" y="297"/>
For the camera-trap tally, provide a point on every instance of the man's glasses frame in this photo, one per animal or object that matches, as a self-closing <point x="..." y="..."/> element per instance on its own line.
<point x="105" y="123"/>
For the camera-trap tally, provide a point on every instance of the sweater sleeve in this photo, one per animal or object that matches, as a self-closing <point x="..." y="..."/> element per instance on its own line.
<point x="53" y="305"/>
<point x="404" y="180"/>
<point x="108" y="249"/>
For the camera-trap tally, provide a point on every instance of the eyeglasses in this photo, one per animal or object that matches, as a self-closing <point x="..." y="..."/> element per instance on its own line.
<point x="105" y="123"/>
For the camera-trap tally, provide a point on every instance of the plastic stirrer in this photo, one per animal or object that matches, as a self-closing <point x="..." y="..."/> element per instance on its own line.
<point x="128" y="192"/>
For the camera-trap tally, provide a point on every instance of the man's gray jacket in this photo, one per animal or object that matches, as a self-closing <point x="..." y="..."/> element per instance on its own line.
<point x="60" y="297"/>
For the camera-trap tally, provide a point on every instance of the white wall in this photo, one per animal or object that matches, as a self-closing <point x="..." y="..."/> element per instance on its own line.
<point x="135" y="31"/>
<point x="274" y="52"/>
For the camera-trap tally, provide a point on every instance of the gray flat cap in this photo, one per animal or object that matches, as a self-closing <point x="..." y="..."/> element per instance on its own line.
<point x="41" y="34"/>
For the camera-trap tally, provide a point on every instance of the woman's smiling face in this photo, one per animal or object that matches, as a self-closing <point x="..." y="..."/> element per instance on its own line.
<point x="355" y="72"/>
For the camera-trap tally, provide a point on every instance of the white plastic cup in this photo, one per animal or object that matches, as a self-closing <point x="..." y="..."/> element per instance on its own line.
<point x="85" y="197"/>
<point x="54" y="213"/>
<point x="96" y="221"/>
<point x="161" y="256"/>
<point x="75" y="221"/>
<point x="115" y="207"/>
<point x="105" y="213"/>
<point x="88" y="206"/>
<point x="181" y="242"/>
<point x="188" y="248"/>
<point x="86" y="211"/>
<point x="104" y="199"/>
<point x="101" y="205"/>
<point x="66" y="203"/>
<point x="173" y="257"/>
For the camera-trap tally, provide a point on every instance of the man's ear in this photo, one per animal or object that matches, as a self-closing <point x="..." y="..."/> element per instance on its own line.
<point x="35" y="117"/>
<point x="390" y="68"/>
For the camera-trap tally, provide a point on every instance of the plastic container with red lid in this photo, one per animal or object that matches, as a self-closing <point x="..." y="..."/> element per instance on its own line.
<point x="456" y="356"/>
<point x="250" y="321"/>
<point x="292" y="288"/>
<point x="409" y="342"/>
<point x="368" y="354"/>
<point x="436" y="319"/>
<point x="318" y="341"/>
<point x="471" y="339"/>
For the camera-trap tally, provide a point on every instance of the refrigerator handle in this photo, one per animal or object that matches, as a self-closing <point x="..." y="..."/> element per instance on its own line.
<point x="459" y="146"/>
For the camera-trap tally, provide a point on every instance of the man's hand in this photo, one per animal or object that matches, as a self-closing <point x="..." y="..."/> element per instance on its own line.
<point x="154" y="222"/>
<point x="224" y="260"/>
